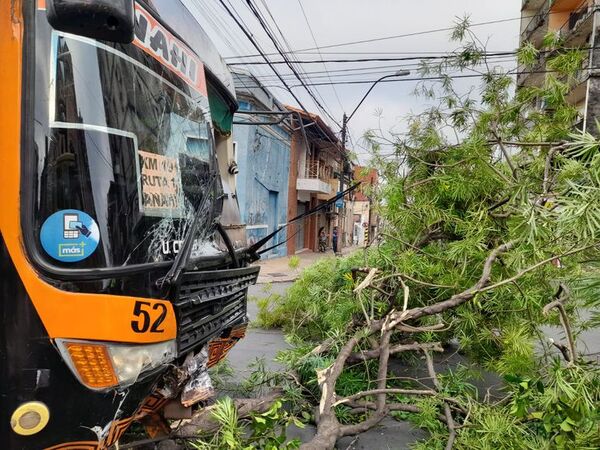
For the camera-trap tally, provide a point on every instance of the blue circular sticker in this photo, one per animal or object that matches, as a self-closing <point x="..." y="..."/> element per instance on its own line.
<point x="70" y="235"/>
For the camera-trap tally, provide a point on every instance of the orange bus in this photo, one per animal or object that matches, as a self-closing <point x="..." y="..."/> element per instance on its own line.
<point x="122" y="269"/>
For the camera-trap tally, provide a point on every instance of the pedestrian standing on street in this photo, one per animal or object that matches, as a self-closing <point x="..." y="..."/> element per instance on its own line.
<point x="334" y="239"/>
<point x="322" y="240"/>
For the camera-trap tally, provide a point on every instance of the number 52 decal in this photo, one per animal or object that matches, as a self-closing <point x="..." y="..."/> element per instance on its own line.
<point x="148" y="316"/>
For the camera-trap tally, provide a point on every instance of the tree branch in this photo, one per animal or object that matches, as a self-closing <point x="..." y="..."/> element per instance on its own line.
<point x="447" y="412"/>
<point x="414" y="280"/>
<point x="564" y="320"/>
<point x="535" y="266"/>
<point x="507" y="157"/>
<point x="361" y="394"/>
<point x="367" y="280"/>
<point x="406" y="292"/>
<point x="456" y="299"/>
<point x="529" y="144"/>
<point x="371" y="354"/>
<point x="362" y="407"/>
<point x="384" y="356"/>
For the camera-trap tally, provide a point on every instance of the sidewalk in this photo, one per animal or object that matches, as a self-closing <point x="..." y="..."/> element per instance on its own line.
<point x="277" y="270"/>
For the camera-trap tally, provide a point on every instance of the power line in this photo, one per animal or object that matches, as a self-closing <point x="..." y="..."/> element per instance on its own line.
<point x="289" y="48"/>
<point x="255" y="44"/>
<point x="447" y="56"/>
<point x="219" y="24"/>
<point x="208" y="10"/>
<point x="360" y="60"/>
<point x="286" y="61"/>
<point x="383" y="72"/>
<point x="367" y="52"/>
<point x="442" y="77"/>
<point x="367" y="70"/>
<point x="416" y="33"/>
<point x="319" y="51"/>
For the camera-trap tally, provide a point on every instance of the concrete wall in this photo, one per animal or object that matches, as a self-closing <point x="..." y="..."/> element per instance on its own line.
<point x="263" y="158"/>
<point x="292" y="205"/>
<point x="360" y="208"/>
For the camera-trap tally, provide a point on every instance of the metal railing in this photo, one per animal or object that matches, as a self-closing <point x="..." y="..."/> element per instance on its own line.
<point x="584" y="71"/>
<point x="576" y="18"/>
<point x="318" y="169"/>
<point x="538" y="19"/>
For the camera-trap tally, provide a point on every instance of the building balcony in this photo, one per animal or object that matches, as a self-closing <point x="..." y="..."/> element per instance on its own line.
<point x="532" y="76"/>
<point x="317" y="178"/>
<point x="537" y="26"/>
<point x="575" y="30"/>
<point x="532" y="4"/>
<point x="579" y="76"/>
<point x="578" y="84"/>
<point x="334" y="185"/>
<point x="314" y="185"/>
<point x="583" y="74"/>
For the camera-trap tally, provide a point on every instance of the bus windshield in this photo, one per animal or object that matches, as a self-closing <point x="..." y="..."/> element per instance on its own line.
<point x="124" y="156"/>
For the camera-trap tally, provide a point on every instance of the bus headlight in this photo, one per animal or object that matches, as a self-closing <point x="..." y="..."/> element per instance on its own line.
<point x="102" y="365"/>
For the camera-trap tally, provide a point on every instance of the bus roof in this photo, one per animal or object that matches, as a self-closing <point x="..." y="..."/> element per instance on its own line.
<point x="175" y="15"/>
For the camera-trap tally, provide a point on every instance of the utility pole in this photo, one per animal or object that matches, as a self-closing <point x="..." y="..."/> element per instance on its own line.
<point x="342" y="210"/>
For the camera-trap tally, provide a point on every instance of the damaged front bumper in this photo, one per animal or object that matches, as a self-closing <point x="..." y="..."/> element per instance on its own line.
<point x="183" y="386"/>
<point x="211" y="317"/>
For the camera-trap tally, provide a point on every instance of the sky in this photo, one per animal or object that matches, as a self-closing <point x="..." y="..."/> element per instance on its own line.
<point x="341" y="21"/>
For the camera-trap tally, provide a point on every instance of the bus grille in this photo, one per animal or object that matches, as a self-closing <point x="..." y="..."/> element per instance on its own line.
<point x="210" y="302"/>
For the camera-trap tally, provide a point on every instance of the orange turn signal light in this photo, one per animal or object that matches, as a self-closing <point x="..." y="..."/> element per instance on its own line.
<point x="92" y="363"/>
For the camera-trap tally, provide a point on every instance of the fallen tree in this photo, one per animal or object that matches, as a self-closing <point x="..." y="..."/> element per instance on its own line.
<point x="329" y="429"/>
<point x="490" y="207"/>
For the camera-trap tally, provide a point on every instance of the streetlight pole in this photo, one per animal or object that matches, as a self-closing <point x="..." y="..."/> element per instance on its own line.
<point x="345" y="119"/>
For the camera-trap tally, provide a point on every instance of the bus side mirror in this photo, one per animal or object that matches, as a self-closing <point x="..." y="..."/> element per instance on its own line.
<point x="106" y="20"/>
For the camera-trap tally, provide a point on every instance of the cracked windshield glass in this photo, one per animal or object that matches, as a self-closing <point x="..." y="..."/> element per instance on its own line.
<point x="130" y="144"/>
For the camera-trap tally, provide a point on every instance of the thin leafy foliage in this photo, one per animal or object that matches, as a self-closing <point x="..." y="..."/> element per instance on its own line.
<point x="262" y="430"/>
<point x="476" y="171"/>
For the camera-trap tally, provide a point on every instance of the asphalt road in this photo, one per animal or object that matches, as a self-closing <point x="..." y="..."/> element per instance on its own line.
<point x="258" y="343"/>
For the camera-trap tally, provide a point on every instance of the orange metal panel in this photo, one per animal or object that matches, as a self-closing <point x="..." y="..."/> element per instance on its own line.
<point x="64" y="314"/>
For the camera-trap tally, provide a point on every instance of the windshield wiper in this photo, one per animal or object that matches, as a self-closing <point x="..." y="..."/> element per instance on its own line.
<point x="180" y="261"/>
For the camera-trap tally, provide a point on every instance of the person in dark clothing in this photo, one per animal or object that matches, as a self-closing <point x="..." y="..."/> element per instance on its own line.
<point x="334" y="239"/>
<point x="322" y="240"/>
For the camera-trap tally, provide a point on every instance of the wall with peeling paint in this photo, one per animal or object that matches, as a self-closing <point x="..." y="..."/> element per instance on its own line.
<point x="263" y="158"/>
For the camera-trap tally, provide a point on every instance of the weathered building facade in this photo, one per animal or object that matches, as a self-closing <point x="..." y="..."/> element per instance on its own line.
<point x="262" y="155"/>
<point x="316" y="161"/>
<point x="364" y="218"/>
<point x="577" y="22"/>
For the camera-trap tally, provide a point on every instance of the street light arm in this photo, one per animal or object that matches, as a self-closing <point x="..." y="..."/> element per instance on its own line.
<point x="367" y="94"/>
<point x="345" y="120"/>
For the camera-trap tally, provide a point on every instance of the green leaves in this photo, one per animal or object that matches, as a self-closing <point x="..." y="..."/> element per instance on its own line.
<point x="265" y="430"/>
<point x="475" y="170"/>
<point x="583" y="146"/>
<point x="528" y="55"/>
<point x="461" y="27"/>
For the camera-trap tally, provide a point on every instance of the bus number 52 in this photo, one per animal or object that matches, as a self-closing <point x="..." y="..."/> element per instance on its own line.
<point x="147" y="318"/>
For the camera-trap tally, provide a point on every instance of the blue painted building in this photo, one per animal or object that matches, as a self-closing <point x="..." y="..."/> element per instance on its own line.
<point x="262" y="154"/>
